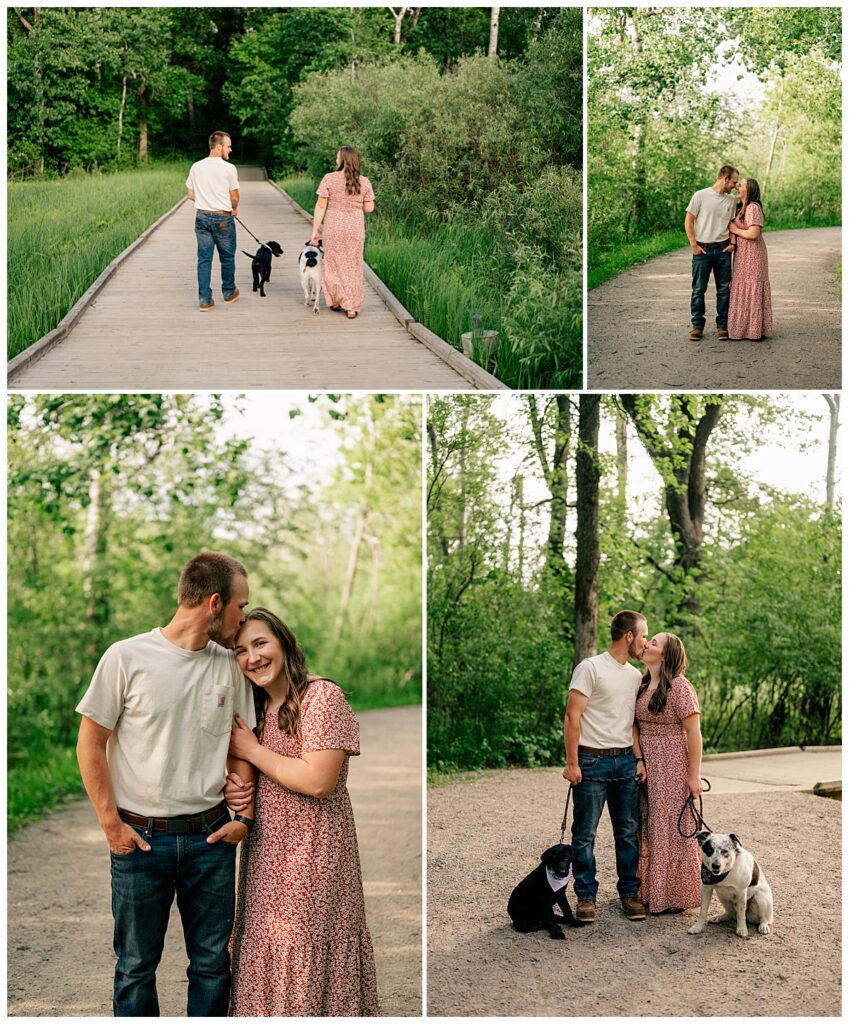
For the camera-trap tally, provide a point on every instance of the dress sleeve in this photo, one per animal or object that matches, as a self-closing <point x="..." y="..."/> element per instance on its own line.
<point x="686" y="702"/>
<point x="323" y="190"/>
<point x="367" y="190"/>
<point x="754" y="216"/>
<point x="327" y="721"/>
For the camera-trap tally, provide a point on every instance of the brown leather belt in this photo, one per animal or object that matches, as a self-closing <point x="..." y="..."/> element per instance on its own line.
<point x="611" y="751"/>
<point x="225" y="213"/>
<point x="178" y="825"/>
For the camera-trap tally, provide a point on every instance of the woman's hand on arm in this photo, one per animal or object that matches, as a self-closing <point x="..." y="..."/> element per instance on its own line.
<point x="638" y="754"/>
<point x="693" y="732"/>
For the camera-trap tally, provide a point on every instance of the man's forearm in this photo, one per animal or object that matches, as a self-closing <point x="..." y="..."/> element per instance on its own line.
<point x="94" y="770"/>
<point x="247" y="773"/>
<point x="573" y="738"/>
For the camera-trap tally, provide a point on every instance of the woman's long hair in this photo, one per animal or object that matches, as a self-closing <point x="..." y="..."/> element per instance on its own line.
<point x="672" y="664"/>
<point x="294" y="668"/>
<point x="753" y="195"/>
<point x="349" y="162"/>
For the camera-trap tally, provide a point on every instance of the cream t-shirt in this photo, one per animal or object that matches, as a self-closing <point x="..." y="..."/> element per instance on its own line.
<point x="611" y="688"/>
<point x="712" y="213"/>
<point x="212" y="180"/>
<point x="170" y="711"/>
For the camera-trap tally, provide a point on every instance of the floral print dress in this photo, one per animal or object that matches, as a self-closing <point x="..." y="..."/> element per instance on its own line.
<point x="300" y="946"/>
<point x="343" y="238"/>
<point x="750" y="309"/>
<point x="670" y="866"/>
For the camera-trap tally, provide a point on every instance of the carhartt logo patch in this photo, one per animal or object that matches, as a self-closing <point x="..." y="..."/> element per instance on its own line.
<point x="221" y="700"/>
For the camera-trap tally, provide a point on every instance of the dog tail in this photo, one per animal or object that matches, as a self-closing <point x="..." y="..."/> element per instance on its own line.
<point x="251" y="254"/>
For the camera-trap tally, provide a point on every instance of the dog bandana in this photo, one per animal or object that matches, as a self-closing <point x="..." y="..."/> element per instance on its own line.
<point x="556" y="882"/>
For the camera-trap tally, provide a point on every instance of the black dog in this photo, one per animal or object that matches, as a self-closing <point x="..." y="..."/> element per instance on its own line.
<point x="530" y="904"/>
<point x="261" y="264"/>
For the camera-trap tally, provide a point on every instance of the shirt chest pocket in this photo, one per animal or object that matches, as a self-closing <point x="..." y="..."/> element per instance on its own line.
<point x="217" y="710"/>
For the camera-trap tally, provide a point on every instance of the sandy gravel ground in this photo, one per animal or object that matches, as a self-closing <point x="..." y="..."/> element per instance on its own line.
<point x="637" y="325"/>
<point x="60" y="924"/>
<point x="486" y="834"/>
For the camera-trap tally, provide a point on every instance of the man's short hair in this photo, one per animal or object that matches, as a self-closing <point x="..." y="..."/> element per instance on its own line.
<point x="625" y="622"/>
<point x="216" y="139"/>
<point x="727" y="171"/>
<point x="206" y="574"/>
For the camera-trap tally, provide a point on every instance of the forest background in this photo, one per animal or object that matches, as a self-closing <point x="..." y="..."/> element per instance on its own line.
<point x="675" y="93"/>
<point x="109" y="496"/>
<point x="537" y="536"/>
<point x="468" y="120"/>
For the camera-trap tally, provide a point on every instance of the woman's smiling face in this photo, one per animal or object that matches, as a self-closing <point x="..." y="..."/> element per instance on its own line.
<point x="259" y="653"/>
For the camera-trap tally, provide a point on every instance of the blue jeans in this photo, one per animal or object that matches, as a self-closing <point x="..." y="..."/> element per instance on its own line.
<point x="606" y="778"/>
<point x="215" y="231"/>
<point x="203" y="876"/>
<point x="703" y="263"/>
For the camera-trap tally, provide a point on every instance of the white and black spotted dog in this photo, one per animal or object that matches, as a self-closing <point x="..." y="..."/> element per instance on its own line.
<point x="311" y="265"/>
<point x="735" y="876"/>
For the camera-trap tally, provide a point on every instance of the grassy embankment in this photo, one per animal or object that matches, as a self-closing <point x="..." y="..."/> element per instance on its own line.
<point x="64" y="232"/>
<point x="444" y="278"/>
<point x="603" y="267"/>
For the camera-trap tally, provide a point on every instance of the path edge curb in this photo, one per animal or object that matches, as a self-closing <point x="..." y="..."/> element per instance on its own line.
<point x="469" y="369"/>
<point x="52" y="338"/>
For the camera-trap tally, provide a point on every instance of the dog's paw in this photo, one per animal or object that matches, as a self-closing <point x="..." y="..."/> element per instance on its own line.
<point x="743" y="932"/>
<point x="764" y="928"/>
<point x="719" y="918"/>
<point x="555" y="933"/>
<point x="575" y="923"/>
<point x="696" y="929"/>
<point x="315" y="311"/>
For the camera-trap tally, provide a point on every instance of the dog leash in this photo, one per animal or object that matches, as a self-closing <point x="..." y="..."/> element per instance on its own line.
<point x="565" y="812"/>
<point x="253" y="236"/>
<point x="699" y="823"/>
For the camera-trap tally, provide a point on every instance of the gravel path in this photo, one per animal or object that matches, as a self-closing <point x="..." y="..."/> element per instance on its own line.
<point x="485" y="834"/>
<point x="60" y="926"/>
<point x="637" y="324"/>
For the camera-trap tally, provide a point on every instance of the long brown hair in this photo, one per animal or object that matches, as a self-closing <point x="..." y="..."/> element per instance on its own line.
<point x="294" y="668"/>
<point x="673" y="664"/>
<point x="349" y="162"/>
<point x="753" y="195"/>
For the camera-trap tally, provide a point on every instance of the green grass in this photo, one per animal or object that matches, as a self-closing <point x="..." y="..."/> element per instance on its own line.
<point x="445" y="276"/>
<point x="63" y="233"/>
<point x="602" y="267"/>
<point x="46" y="779"/>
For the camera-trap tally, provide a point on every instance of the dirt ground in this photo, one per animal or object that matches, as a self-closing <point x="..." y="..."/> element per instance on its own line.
<point x="60" y="925"/>
<point x="486" y="834"/>
<point x="637" y="325"/>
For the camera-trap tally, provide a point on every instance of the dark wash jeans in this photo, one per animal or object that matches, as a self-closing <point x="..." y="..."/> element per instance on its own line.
<point x="203" y="876"/>
<point x="215" y="231"/>
<point x="606" y="779"/>
<point x="703" y="263"/>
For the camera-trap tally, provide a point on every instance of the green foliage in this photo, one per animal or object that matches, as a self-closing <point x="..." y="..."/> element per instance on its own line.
<point x="63" y="234"/>
<point x="762" y="628"/>
<point x="109" y="495"/>
<point x="659" y="131"/>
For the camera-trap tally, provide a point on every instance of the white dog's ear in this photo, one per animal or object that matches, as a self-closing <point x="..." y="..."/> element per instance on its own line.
<point x="734" y="840"/>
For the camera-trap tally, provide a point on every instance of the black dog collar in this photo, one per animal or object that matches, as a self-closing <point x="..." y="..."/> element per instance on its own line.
<point x="710" y="879"/>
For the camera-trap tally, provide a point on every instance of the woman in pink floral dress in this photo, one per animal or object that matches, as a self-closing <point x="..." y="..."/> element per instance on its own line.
<point x="669" y="740"/>
<point x="343" y="197"/>
<point x="301" y="946"/>
<point x="750" y="309"/>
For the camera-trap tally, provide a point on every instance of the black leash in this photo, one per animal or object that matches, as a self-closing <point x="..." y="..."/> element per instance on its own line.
<point x="253" y="236"/>
<point x="565" y="812"/>
<point x="699" y="823"/>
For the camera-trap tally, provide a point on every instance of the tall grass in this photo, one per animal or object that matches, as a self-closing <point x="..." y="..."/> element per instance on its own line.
<point x="64" y="233"/>
<point x="446" y="274"/>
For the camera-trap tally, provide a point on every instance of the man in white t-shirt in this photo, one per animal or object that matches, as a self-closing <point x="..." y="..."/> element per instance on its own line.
<point x="706" y="223"/>
<point x="599" y="735"/>
<point x="213" y="186"/>
<point x="153" y="755"/>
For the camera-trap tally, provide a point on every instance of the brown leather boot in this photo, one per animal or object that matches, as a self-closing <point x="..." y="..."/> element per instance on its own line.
<point x="695" y="334"/>
<point x="634" y="910"/>
<point x="585" y="911"/>
<point x="722" y="333"/>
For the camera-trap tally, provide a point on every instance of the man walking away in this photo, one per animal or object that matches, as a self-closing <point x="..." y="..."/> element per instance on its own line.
<point x="706" y="223"/>
<point x="213" y="186"/>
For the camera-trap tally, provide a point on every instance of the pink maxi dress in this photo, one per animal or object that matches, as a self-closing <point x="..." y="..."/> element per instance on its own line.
<point x="344" y="236"/>
<point x="670" y="867"/>
<point x="750" y="308"/>
<point x="300" y="945"/>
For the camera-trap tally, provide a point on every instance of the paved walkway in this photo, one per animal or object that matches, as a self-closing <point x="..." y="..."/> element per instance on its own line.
<point x="59" y="921"/>
<point x="637" y="325"/>
<point x="791" y="768"/>
<point x="144" y="330"/>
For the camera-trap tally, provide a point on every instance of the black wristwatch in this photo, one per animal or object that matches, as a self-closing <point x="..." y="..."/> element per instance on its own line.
<point x="245" y="821"/>
<point x="640" y="759"/>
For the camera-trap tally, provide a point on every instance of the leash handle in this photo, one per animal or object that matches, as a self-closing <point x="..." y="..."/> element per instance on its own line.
<point x="699" y="823"/>
<point x="565" y="812"/>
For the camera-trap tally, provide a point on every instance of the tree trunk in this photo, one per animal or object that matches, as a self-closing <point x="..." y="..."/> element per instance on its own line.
<point x="587" y="475"/>
<point x="621" y="466"/>
<point x="143" y="123"/>
<point x="833" y="426"/>
<point x="492" y="49"/>
<point x="555" y="473"/>
<point x="95" y="547"/>
<point x="121" y="113"/>
<point x="774" y="138"/>
<point x="399" y="20"/>
<point x="635" y="212"/>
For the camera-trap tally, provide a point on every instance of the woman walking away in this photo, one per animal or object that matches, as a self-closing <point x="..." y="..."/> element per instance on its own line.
<point x="667" y="736"/>
<point x="344" y="196"/>
<point x="301" y="946"/>
<point x="750" y="309"/>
